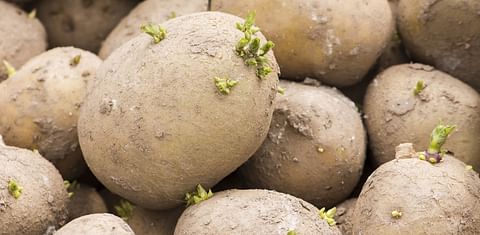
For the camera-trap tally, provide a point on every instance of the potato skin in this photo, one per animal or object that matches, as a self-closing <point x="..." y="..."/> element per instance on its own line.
<point x="100" y="223"/>
<point x="22" y="38"/>
<point x="148" y="11"/>
<point x="444" y="34"/>
<point x="252" y="211"/>
<point x="146" y="222"/>
<point x="329" y="40"/>
<point x="40" y="106"/>
<point x="84" y="201"/>
<point x="433" y="199"/>
<point x="43" y="200"/>
<point x="315" y="149"/>
<point x="165" y="117"/>
<point x="81" y="23"/>
<point x="395" y="115"/>
<point x="344" y="216"/>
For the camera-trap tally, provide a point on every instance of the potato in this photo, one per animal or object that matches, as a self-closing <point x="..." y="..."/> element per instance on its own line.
<point x="145" y="222"/>
<point x="252" y="212"/>
<point x="156" y="108"/>
<point x="81" y="23"/>
<point x="334" y="41"/>
<point x="344" y="216"/>
<point x="444" y="34"/>
<point x="412" y="196"/>
<point x="84" y="200"/>
<point x="148" y="11"/>
<point x="315" y="148"/>
<point x="394" y="114"/>
<point x="21" y="37"/>
<point x="32" y="195"/>
<point x="101" y="223"/>
<point x="40" y="106"/>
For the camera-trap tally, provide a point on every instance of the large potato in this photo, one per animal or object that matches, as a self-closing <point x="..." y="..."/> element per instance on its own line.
<point x="101" y="224"/>
<point x="445" y="34"/>
<point x="148" y="11"/>
<point x="315" y="149"/>
<point x="40" y="106"/>
<point x="21" y="37"/>
<point x="334" y="41"/>
<point x="81" y="23"/>
<point x="154" y="125"/>
<point x="394" y="114"/>
<point x="41" y="202"/>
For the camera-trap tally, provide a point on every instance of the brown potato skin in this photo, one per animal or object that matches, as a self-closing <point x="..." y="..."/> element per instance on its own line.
<point x="344" y="216"/>
<point x="100" y="223"/>
<point x="395" y="115"/>
<point x="444" y="34"/>
<point x="145" y="12"/>
<point x="22" y="38"/>
<point x="330" y="40"/>
<point x="146" y="222"/>
<point x="43" y="201"/>
<point x="84" y="201"/>
<point x="40" y="106"/>
<point x="433" y="199"/>
<point x="252" y="211"/>
<point x="305" y="119"/>
<point x="174" y="127"/>
<point x="81" y="23"/>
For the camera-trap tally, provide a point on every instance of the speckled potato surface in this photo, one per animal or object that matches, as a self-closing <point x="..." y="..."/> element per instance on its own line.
<point x="100" y="223"/>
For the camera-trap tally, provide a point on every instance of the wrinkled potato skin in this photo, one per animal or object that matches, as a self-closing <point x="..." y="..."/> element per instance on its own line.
<point x="433" y="199"/>
<point x="145" y="222"/>
<point x="148" y="11"/>
<point x="101" y="223"/>
<point x="43" y="201"/>
<point x="22" y="38"/>
<point x="344" y="216"/>
<point x="81" y="23"/>
<point x="309" y="42"/>
<point x="84" y="201"/>
<point x="395" y="115"/>
<point x="252" y="211"/>
<point x="305" y="119"/>
<point x="40" y="106"/>
<point x="444" y="34"/>
<point x="167" y="119"/>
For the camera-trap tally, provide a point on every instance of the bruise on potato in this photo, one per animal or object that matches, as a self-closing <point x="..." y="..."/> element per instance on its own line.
<point x="154" y="11"/>
<point x="85" y="200"/>
<point x="21" y="37"/>
<point x="252" y="211"/>
<point x="394" y="114"/>
<point x="42" y="201"/>
<point x="100" y="223"/>
<point x="315" y="148"/>
<point x="41" y="103"/>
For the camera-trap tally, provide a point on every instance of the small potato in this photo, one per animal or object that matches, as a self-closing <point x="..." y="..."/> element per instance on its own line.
<point x="41" y="103"/>
<point x="33" y="198"/>
<point x="146" y="222"/>
<point x="154" y="11"/>
<point x="84" y="200"/>
<point x="344" y="216"/>
<point x="101" y="224"/>
<point x="21" y="37"/>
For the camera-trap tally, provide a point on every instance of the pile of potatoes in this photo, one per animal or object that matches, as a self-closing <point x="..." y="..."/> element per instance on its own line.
<point x="297" y="117"/>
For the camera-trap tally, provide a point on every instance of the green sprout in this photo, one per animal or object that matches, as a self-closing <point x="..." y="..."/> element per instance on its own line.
<point x="157" y="32"/>
<point x="32" y="14"/>
<point x="124" y="209"/>
<point x="292" y="232"/>
<point x="75" y="60"/>
<point x="281" y="90"/>
<point x="14" y="189"/>
<point x="70" y="187"/>
<point x="198" y="196"/>
<point x="172" y="15"/>
<point x="329" y="215"/>
<point x="419" y="87"/>
<point x="224" y="85"/>
<point x="250" y="49"/>
<point x="468" y="167"/>
<point x="434" y="153"/>
<point x="10" y="69"/>
<point x="396" y="214"/>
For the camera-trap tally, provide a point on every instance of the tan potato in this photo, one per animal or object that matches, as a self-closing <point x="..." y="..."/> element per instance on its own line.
<point x="40" y="106"/>
<point x="148" y="11"/>
<point x="81" y="23"/>
<point x="84" y="200"/>
<point x="252" y="212"/>
<point x="155" y="108"/>
<point x="145" y="222"/>
<point x="21" y="37"/>
<point x="315" y="149"/>
<point x="344" y="216"/>
<point x="334" y="41"/>
<point x="41" y="202"/>
<point x="104" y="224"/>
<point x="444" y="34"/>
<point x="394" y="114"/>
